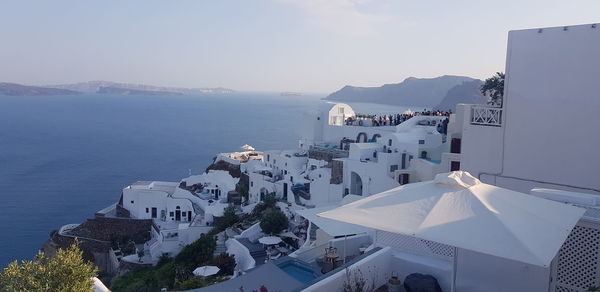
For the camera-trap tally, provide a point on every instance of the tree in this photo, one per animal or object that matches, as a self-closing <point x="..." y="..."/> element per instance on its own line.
<point x="198" y="253"/>
<point x="270" y="200"/>
<point x="494" y="88"/>
<point x="229" y="218"/>
<point x="67" y="271"/>
<point x="274" y="222"/>
<point x="225" y="263"/>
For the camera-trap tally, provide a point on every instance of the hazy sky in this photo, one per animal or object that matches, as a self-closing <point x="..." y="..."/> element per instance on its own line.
<point x="266" y="45"/>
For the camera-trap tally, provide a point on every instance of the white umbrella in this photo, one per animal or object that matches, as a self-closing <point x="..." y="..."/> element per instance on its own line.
<point x="206" y="271"/>
<point x="459" y="210"/>
<point x="269" y="240"/>
<point x="247" y="147"/>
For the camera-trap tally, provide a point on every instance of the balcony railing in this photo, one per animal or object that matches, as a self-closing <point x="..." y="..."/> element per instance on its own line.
<point x="486" y="116"/>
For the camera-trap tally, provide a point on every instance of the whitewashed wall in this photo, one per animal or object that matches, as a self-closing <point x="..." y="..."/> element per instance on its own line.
<point x="550" y="119"/>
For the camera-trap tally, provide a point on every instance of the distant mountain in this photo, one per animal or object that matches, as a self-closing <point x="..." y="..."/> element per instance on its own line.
<point x="125" y="91"/>
<point x="26" y="90"/>
<point x="95" y="86"/>
<point x="427" y="92"/>
<point x="467" y="92"/>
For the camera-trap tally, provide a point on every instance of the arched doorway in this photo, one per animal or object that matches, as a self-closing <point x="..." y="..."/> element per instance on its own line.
<point x="356" y="186"/>
<point x="363" y="135"/>
<point x="263" y="193"/>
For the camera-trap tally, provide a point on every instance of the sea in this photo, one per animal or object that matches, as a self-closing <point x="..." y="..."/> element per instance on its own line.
<point x="62" y="158"/>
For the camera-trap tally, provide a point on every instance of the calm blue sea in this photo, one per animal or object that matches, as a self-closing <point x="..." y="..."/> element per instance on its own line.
<point x="62" y="158"/>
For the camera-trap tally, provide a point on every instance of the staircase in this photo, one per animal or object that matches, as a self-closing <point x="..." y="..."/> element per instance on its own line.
<point x="220" y="248"/>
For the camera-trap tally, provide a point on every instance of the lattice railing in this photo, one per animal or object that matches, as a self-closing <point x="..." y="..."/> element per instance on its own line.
<point x="577" y="265"/>
<point x="486" y="116"/>
<point x="415" y="245"/>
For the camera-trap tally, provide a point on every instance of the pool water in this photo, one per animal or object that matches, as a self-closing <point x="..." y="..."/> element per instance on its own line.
<point x="298" y="272"/>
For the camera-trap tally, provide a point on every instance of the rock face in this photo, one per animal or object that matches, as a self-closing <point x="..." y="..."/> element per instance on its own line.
<point x="125" y="91"/>
<point x="468" y="92"/>
<point x="95" y="86"/>
<point x="427" y="92"/>
<point x="14" y="89"/>
<point x="234" y="170"/>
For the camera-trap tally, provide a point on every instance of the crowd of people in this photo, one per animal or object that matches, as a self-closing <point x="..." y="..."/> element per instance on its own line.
<point x="394" y="119"/>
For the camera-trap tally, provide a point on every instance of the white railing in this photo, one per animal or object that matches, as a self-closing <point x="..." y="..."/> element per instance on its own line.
<point x="486" y="116"/>
<point x="313" y="253"/>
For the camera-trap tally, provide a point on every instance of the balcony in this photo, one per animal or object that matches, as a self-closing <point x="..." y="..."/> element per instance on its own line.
<point x="486" y="116"/>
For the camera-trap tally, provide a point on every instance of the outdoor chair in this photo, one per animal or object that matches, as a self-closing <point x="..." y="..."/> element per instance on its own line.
<point x="326" y="267"/>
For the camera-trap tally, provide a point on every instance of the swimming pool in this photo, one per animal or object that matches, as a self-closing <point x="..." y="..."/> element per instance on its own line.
<point x="298" y="271"/>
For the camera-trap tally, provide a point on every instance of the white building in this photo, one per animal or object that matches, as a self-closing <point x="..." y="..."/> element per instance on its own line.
<point x="154" y="200"/>
<point x="541" y="141"/>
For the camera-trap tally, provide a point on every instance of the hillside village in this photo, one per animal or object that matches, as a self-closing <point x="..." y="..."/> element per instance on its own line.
<point x="338" y="189"/>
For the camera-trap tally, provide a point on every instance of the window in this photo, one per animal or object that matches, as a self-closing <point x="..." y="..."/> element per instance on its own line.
<point x="184" y="214"/>
<point x="132" y="202"/>
<point x="341" y="110"/>
<point x="454" y="165"/>
<point x="375" y="154"/>
<point x="177" y="207"/>
<point x="268" y="157"/>
<point x="393" y="167"/>
<point x="319" y="176"/>
<point x="147" y="210"/>
<point x="313" y="167"/>
<point x="390" y="142"/>
<point x="251" y="183"/>
<point x="154" y="212"/>
<point x="421" y="142"/>
<point x="171" y="214"/>
<point x="286" y="164"/>
<point x="318" y="118"/>
<point x="285" y="172"/>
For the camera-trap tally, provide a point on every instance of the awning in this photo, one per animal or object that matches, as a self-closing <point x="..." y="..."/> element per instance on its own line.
<point x="331" y="227"/>
<point x="458" y="210"/>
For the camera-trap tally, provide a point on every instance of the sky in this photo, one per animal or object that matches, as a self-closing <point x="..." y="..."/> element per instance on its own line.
<point x="315" y="46"/>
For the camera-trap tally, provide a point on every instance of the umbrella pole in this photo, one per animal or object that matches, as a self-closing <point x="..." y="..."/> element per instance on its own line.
<point x="345" y="237"/>
<point x="454" y="266"/>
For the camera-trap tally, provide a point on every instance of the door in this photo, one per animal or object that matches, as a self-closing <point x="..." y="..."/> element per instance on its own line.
<point x="178" y="215"/>
<point x="154" y="212"/>
<point x="403" y="160"/>
<point x="403" y="179"/>
<point x="189" y="215"/>
<point x="285" y="191"/>
<point x="455" y="145"/>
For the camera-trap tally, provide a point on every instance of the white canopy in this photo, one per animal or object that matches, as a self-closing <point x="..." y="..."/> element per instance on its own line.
<point x="331" y="227"/>
<point x="247" y="147"/>
<point x="459" y="210"/>
<point x="206" y="271"/>
<point x="269" y="240"/>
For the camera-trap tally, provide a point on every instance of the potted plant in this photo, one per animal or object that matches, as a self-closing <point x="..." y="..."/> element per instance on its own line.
<point x="394" y="284"/>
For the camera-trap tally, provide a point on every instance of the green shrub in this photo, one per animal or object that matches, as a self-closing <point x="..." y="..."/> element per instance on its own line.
<point x="274" y="222"/>
<point x="198" y="253"/>
<point x="191" y="283"/>
<point x="225" y="262"/>
<point x="67" y="271"/>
